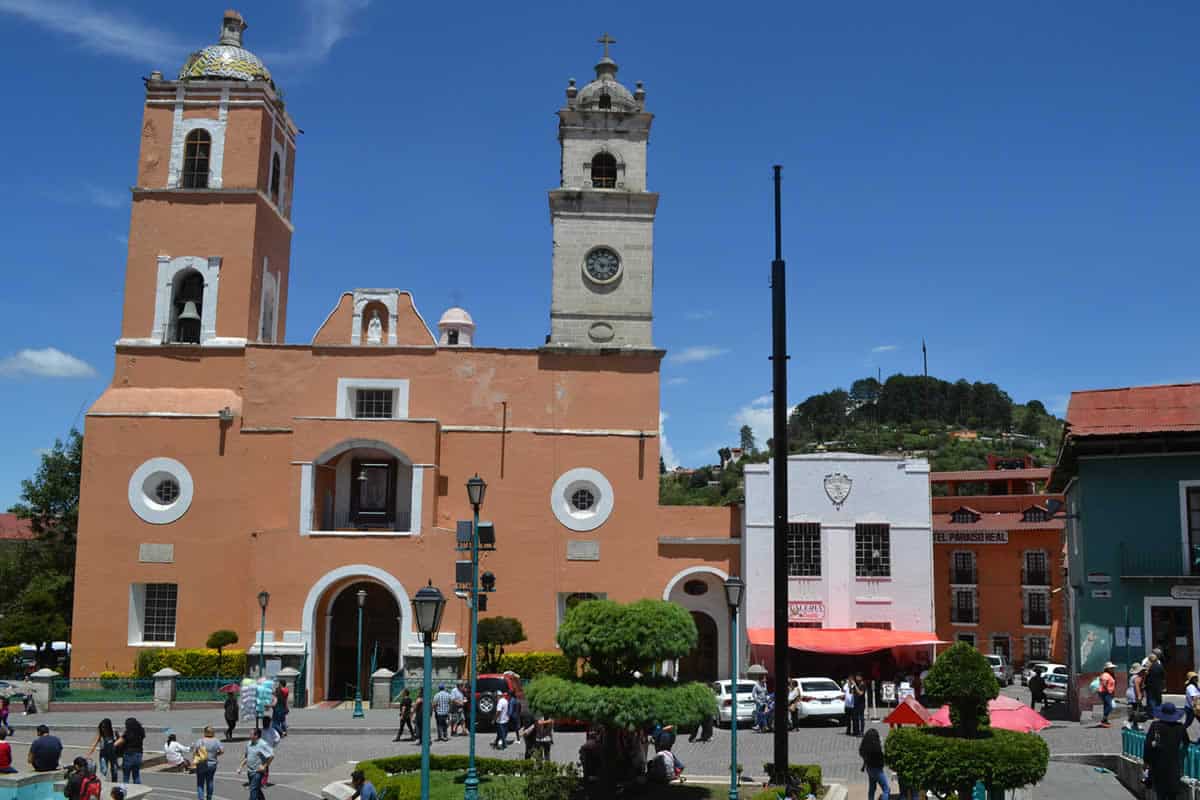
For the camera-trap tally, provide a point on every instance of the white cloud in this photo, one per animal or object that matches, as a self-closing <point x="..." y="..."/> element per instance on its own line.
<point x="99" y="196"/>
<point x="102" y="31"/>
<point x="664" y="447"/>
<point x="760" y="416"/>
<point x="45" y="363"/>
<point x="328" y="24"/>
<point x="762" y="400"/>
<point x="676" y="381"/>
<point x="692" y="355"/>
<point x="885" y="348"/>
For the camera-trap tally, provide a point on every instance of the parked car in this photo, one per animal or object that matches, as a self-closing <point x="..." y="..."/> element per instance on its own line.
<point x="1001" y="668"/>
<point x="1056" y="687"/>
<point x="820" y="697"/>
<point x="488" y="687"/>
<point x="745" y="705"/>
<point x="1044" y="667"/>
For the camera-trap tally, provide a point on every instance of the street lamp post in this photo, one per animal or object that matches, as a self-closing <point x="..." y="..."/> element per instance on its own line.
<point x="264" y="597"/>
<point x="734" y="587"/>
<point x="429" y="604"/>
<point x="361" y="595"/>
<point x="476" y="489"/>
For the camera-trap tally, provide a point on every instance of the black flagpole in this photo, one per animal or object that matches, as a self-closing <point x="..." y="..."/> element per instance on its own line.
<point x="779" y="447"/>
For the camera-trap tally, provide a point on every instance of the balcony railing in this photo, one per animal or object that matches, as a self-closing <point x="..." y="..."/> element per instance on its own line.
<point x="963" y="576"/>
<point x="346" y="521"/>
<point x="1035" y="577"/>
<point x="1146" y="560"/>
<point x="964" y="615"/>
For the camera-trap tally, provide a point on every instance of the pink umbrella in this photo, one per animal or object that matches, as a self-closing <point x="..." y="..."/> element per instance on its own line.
<point x="1005" y="712"/>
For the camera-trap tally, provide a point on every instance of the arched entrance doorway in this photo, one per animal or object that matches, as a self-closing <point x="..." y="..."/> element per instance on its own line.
<point x="380" y="637"/>
<point x="701" y="663"/>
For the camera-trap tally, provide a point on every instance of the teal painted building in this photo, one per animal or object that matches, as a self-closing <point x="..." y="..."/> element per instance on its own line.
<point x="1129" y="468"/>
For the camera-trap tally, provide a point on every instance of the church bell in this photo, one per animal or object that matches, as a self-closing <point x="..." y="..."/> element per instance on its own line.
<point x="189" y="313"/>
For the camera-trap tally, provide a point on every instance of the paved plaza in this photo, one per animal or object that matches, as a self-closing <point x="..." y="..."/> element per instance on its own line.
<point x="324" y="744"/>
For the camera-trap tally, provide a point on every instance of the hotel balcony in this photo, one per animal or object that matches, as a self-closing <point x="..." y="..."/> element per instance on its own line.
<point x="964" y="616"/>
<point x="963" y="577"/>
<point x="1035" y="617"/>
<point x="1035" y="577"/>
<point x="1154" y="560"/>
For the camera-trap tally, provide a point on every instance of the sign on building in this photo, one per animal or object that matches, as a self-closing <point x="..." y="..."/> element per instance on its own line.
<point x="970" y="537"/>
<point x="806" y="610"/>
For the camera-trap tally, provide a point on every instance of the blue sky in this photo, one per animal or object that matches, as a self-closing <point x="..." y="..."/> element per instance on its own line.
<point x="1017" y="184"/>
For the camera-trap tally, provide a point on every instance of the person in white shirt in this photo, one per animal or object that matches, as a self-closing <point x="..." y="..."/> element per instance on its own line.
<point x="501" y="722"/>
<point x="794" y="703"/>
<point x="1192" y="689"/>
<point x="176" y="753"/>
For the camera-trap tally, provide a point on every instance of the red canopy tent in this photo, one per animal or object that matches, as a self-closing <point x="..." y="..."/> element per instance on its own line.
<point x="909" y="712"/>
<point x="845" y="641"/>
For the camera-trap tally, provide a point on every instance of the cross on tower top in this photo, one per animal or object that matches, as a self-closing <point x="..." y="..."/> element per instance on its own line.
<point x="606" y="40"/>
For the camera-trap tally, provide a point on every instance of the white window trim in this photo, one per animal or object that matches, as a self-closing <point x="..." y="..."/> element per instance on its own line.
<point x="137" y="616"/>
<point x="210" y="268"/>
<point x="180" y="129"/>
<point x="347" y="386"/>
<point x="567" y="484"/>
<point x="308" y="489"/>
<point x="1149" y="602"/>
<point x="1183" y="525"/>
<point x="147" y="509"/>
<point x="390" y="300"/>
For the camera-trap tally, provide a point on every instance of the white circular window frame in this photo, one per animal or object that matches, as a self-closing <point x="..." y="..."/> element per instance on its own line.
<point x="572" y="481"/>
<point x="608" y="281"/>
<point x="145" y="480"/>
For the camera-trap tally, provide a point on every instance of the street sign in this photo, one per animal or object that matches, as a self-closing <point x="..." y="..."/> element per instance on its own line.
<point x="1101" y="594"/>
<point x="1185" y="592"/>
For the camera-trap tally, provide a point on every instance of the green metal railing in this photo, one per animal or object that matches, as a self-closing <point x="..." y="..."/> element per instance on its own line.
<point x="1133" y="744"/>
<point x="193" y="690"/>
<point x="103" y="690"/>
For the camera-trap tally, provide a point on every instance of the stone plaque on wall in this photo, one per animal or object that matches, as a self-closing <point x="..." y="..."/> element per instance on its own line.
<point x="583" y="550"/>
<point x="156" y="553"/>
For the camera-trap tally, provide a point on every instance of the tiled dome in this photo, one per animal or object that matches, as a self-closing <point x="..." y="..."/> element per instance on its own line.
<point x="227" y="59"/>
<point x="591" y="96"/>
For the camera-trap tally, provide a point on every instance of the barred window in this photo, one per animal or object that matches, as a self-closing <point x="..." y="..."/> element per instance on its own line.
<point x="964" y="610"/>
<point x="1037" y="605"/>
<point x="1036" y="569"/>
<point x="963" y="569"/>
<point x="158" y="624"/>
<point x="195" y="159"/>
<point x="604" y="171"/>
<point x="872" y="551"/>
<point x="1039" y="648"/>
<point x="373" y="403"/>
<point x="804" y="549"/>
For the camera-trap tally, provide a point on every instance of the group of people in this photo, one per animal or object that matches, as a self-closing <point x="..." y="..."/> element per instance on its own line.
<point x="642" y="755"/>
<point x="449" y="713"/>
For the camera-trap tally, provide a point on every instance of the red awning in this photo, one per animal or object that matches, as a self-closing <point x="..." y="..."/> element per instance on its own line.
<point x="845" y="641"/>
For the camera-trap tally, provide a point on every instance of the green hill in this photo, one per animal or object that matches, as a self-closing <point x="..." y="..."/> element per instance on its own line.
<point x="955" y="425"/>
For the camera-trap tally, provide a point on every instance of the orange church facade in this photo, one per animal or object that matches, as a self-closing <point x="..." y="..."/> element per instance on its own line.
<point x="222" y="461"/>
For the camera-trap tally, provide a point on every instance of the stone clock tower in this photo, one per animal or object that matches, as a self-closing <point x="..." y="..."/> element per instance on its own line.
<point x="603" y="217"/>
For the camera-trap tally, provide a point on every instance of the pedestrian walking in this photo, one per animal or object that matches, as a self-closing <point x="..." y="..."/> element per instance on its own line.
<point x="545" y="735"/>
<point x="1135" y="695"/>
<point x="420" y="716"/>
<point x="272" y="736"/>
<point x="1156" y="681"/>
<point x="528" y="734"/>
<point x="458" y="706"/>
<point x="870" y="749"/>
<point x="363" y="788"/>
<point x="1037" y="690"/>
<point x="501" y="722"/>
<point x="280" y="713"/>
<point x="1166" y="743"/>
<point x="130" y="744"/>
<point x="859" y="687"/>
<point x="441" y="711"/>
<point x="206" y="752"/>
<point x="231" y="715"/>
<point x="793" y="704"/>
<point x="1108" y="688"/>
<point x="4" y="710"/>
<point x="6" y="764"/>
<point x="406" y="710"/>
<point x="256" y="760"/>
<point x="516" y="709"/>
<point x="759" y="694"/>
<point x="106" y="741"/>
<point x="1191" y="709"/>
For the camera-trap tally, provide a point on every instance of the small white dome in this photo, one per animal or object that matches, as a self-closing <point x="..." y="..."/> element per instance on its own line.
<point x="456" y="317"/>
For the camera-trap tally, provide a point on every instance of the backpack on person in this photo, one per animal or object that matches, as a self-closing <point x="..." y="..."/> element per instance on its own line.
<point x="201" y="756"/>
<point x="89" y="787"/>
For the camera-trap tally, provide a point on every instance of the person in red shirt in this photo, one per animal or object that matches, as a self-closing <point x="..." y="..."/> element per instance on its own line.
<point x="1108" y="688"/>
<point x="5" y="753"/>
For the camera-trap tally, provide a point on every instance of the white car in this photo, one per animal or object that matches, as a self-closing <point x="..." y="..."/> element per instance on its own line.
<point x="1001" y="669"/>
<point x="745" y="702"/>
<point x="1044" y="667"/>
<point x="820" y="697"/>
<point x="1056" y="687"/>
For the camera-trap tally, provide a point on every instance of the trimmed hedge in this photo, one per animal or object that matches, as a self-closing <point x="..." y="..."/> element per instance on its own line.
<point x="110" y="679"/>
<point x="809" y="776"/>
<point x="634" y="706"/>
<point x="535" y="664"/>
<point x="10" y="661"/>
<point x="394" y="776"/>
<point x="929" y="758"/>
<point x="196" y="662"/>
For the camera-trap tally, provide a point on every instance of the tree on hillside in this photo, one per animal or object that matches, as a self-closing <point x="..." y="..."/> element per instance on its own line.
<point x="865" y="390"/>
<point x="747" y="437"/>
<point x="38" y="601"/>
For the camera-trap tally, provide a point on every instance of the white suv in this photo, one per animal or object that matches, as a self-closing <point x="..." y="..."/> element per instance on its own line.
<point x="1001" y="669"/>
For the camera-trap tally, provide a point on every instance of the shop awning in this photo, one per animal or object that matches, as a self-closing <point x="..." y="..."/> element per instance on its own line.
<point x="845" y="641"/>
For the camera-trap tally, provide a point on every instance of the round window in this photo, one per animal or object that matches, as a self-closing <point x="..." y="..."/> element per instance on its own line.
<point x="695" y="588"/>
<point x="160" y="491"/>
<point x="583" y="499"/>
<point x="167" y="491"/>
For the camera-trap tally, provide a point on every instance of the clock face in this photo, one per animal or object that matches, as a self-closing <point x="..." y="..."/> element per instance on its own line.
<point x="603" y="265"/>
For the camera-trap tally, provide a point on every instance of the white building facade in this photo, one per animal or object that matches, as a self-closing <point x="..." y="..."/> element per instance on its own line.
<point x="860" y="543"/>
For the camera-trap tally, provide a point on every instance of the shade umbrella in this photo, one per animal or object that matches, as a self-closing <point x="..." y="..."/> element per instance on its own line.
<point x="230" y="688"/>
<point x="756" y="670"/>
<point x="1005" y="712"/>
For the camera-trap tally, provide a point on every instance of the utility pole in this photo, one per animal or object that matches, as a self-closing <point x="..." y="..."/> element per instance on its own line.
<point x="780" y="474"/>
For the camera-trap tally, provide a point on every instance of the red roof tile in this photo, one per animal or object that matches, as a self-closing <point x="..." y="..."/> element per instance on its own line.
<point x="999" y="521"/>
<point x="1138" y="409"/>
<point x="13" y="528"/>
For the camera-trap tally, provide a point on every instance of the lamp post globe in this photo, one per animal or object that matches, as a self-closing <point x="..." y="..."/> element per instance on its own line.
<point x="476" y="489"/>
<point x="735" y="587"/>
<point x="361" y="596"/>
<point x="428" y="604"/>
<point x="264" y="597"/>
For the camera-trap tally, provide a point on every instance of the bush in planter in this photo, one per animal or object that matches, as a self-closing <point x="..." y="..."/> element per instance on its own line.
<point x="190" y="663"/>
<point x="534" y="665"/>
<point x="955" y="758"/>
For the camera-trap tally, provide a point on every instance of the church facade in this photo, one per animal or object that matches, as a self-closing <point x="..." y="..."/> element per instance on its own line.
<point x="224" y="461"/>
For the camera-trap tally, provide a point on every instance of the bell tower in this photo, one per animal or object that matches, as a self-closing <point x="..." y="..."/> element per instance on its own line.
<point x="603" y="217"/>
<point x="210" y="229"/>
